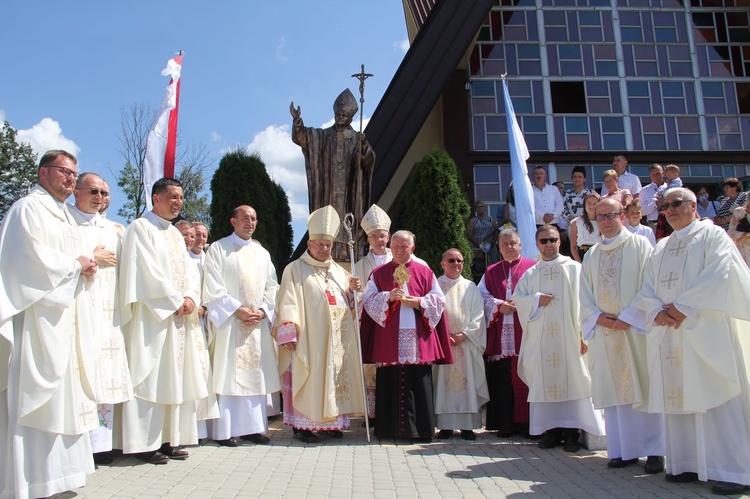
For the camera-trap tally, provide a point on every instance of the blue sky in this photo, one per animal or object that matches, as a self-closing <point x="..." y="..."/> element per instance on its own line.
<point x="69" y="67"/>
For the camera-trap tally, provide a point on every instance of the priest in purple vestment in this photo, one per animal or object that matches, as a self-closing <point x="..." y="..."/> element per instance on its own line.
<point x="507" y="410"/>
<point x="404" y="333"/>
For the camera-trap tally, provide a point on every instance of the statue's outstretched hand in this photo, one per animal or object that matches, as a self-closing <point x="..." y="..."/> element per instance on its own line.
<point x="295" y="112"/>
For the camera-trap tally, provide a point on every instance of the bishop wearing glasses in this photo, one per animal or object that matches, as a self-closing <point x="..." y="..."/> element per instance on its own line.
<point x="551" y="359"/>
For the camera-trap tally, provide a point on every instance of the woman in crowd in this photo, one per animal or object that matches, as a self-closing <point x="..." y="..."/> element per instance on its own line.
<point x="509" y="210"/>
<point x="584" y="232"/>
<point x="706" y="208"/>
<point x="610" y="179"/>
<point x="482" y="229"/>
<point x="733" y="197"/>
<point x="739" y="230"/>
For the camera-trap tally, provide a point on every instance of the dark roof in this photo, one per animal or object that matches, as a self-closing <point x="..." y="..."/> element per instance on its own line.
<point x="420" y="79"/>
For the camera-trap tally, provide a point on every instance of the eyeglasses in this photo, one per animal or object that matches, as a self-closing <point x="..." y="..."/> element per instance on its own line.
<point x="608" y="216"/>
<point x="546" y="240"/>
<point x="454" y="260"/>
<point x="94" y="192"/>
<point x="66" y="172"/>
<point x="674" y="204"/>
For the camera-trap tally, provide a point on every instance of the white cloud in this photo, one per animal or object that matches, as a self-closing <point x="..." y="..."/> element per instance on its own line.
<point x="402" y="45"/>
<point x="47" y="135"/>
<point x="286" y="165"/>
<point x="281" y="54"/>
<point x="2" y="117"/>
<point x="215" y="137"/>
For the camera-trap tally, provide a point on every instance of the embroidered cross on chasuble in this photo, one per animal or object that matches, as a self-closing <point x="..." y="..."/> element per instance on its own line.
<point x="671" y="284"/>
<point x="554" y="367"/>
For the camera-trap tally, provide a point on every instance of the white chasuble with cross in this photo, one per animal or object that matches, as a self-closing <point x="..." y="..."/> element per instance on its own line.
<point x="695" y="367"/>
<point x="550" y="361"/>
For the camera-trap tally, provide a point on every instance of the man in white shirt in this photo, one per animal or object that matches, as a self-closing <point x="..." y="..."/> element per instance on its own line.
<point x="548" y="203"/>
<point x="626" y="180"/>
<point x="648" y="198"/>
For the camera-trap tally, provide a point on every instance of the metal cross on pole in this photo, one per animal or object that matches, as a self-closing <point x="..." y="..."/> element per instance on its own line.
<point x="361" y="76"/>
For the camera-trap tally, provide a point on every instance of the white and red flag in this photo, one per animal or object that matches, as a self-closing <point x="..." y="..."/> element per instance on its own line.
<point x="162" y="139"/>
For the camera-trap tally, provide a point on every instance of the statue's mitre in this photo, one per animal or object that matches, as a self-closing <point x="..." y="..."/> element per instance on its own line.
<point x="323" y="223"/>
<point x="346" y="102"/>
<point x="375" y="219"/>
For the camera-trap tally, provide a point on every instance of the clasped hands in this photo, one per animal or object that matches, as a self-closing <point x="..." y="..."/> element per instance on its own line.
<point x="406" y="300"/>
<point x="507" y="307"/>
<point x="248" y="316"/>
<point x="669" y="316"/>
<point x="612" y="322"/>
<point x="88" y="265"/>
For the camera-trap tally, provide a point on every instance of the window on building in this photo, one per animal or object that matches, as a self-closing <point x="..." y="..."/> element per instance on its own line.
<point x="568" y="97"/>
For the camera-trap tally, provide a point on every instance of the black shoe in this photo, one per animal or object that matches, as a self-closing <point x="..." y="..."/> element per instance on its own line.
<point x="103" y="457"/>
<point x="331" y="433"/>
<point x="173" y="452"/>
<point x="229" y="442"/>
<point x="444" y="434"/>
<point x="654" y="464"/>
<point x="618" y="462"/>
<point x="550" y="439"/>
<point x="152" y="457"/>
<point x="686" y="477"/>
<point x="256" y="438"/>
<point x="571" y="446"/>
<point x="468" y="435"/>
<point x="728" y="488"/>
<point x="420" y="440"/>
<point x="306" y="436"/>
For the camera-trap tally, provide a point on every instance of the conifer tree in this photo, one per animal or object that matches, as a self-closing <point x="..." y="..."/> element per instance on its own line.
<point x="435" y="208"/>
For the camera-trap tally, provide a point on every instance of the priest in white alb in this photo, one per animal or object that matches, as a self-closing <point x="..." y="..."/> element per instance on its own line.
<point x="239" y="290"/>
<point x="376" y="223"/>
<point x="158" y="295"/>
<point x="314" y="326"/>
<point x="461" y="388"/>
<point x="96" y="306"/>
<point x="695" y="296"/>
<point x="612" y="276"/>
<point x="46" y="406"/>
<point x="550" y="360"/>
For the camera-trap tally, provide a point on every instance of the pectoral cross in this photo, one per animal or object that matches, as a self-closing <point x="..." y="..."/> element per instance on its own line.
<point x="86" y="414"/>
<point x="675" y="398"/>
<point x="667" y="280"/>
<point x="674" y="357"/>
<point x="110" y="347"/>
<point x="681" y="245"/>
<point x="554" y="360"/>
<point x="551" y="329"/>
<point x="555" y="391"/>
<point x="551" y="273"/>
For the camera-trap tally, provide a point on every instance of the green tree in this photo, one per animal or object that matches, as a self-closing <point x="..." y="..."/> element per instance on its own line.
<point x="242" y="179"/>
<point x="435" y="208"/>
<point x="192" y="176"/>
<point x="18" y="168"/>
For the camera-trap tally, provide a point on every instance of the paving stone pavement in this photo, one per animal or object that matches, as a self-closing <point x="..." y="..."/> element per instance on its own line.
<point x="350" y="467"/>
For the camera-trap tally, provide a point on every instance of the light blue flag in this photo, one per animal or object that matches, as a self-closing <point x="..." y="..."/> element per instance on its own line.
<point x="524" y="197"/>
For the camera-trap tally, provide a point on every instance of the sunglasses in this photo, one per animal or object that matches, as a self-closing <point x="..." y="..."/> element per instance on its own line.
<point x="94" y="192"/>
<point x="674" y="204"/>
<point x="454" y="260"/>
<point x="547" y="240"/>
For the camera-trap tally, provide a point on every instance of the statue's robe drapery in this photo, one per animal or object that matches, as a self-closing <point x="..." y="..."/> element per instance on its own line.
<point x="550" y="360"/>
<point x="698" y="375"/>
<point x="164" y="349"/>
<point x="508" y="408"/>
<point x="96" y="312"/>
<point x="47" y="406"/>
<point x="239" y="273"/>
<point x="461" y="387"/>
<point x="335" y="177"/>
<point x="322" y="376"/>
<point x="612" y="276"/>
